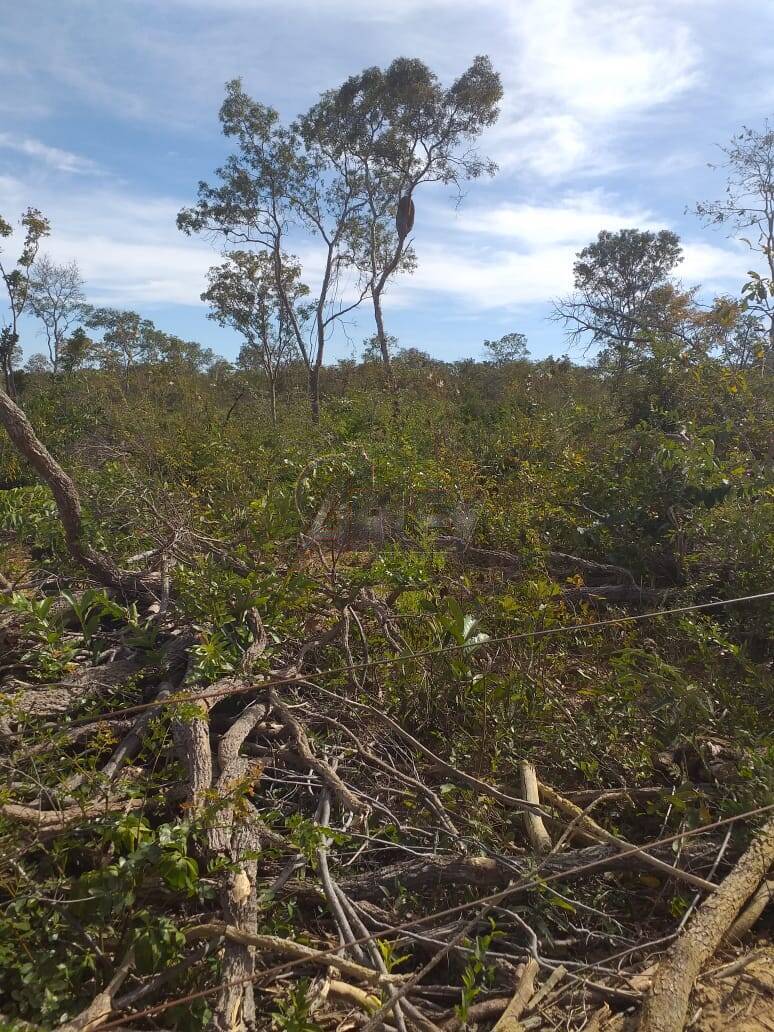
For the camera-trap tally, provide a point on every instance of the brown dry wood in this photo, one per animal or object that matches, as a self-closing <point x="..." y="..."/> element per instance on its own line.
<point x="354" y="994"/>
<point x="176" y="656"/>
<point x="550" y="983"/>
<point x="60" y="820"/>
<point x="377" y="1021"/>
<point x="101" y="1007"/>
<point x="54" y="699"/>
<point x="625" y="589"/>
<point x="68" y="503"/>
<point x="597" y="1018"/>
<point x="332" y="894"/>
<point x="192" y="741"/>
<point x="234" y="839"/>
<point x="430" y="796"/>
<point x="78" y="736"/>
<point x="509" y="1020"/>
<point x="612" y="593"/>
<point x="486" y="1010"/>
<point x="235" y="1008"/>
<point x="377" y="960"/>
<point x="666" y="1006"/>
<point x="735" y="967"/>
<point x="257" y="646"/>
<point x="610" y="795"/>
<point x="466" y="779"/>
<point x="150" y="988"/>
<point x="131" y="744"/>
<point x="751" y="913"/>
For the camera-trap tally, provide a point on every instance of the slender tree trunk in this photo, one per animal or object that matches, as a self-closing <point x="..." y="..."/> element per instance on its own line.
<point x="383" y="346"/>
<point x="68" y="503"/>
<point x="314" y="392"/>
<point x="10" y="382"/>
<point x="314" y="369"/>
<point x="273" y="400"/>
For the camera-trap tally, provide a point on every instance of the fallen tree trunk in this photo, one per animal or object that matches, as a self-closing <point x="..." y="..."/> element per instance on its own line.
<point x="751" y="913"/>
<point x="585" y="823"/>
<point x="666" y="1006"/>
<point x="485" y="872"/>
<point x="624" y="589"/>
<point x="68" y="503"/>
<point x="60" y="820"/>
<point x="533" y="824"/>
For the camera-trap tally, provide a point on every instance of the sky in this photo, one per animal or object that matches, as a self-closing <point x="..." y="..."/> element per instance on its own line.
<point x="612" y="111"/>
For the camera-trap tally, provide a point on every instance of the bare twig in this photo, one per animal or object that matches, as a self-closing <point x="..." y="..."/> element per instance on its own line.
<point x="327" y="775"/>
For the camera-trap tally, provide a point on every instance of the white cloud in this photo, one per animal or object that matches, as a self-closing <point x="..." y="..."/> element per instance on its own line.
<point x="551" y="145"/>
<point x="718" y="268"/>
<point x="575" y="220"/>
<point x="131" y="253"/>
<point x="384" y="12"/>
<point x="487" y="279"/>
<point x="128" y="248"/>
<point x="484" y="280"/>
<point x="54" y="157"/>
<point x="129" y="273"/>
<point x="601" y="58"/>
<point x="523" y="255"/>
<point x="579" y="72"/>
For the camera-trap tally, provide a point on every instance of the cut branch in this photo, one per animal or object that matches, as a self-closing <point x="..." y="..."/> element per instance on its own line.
<point x="533" y="824"/>
<point x="295" y="950"/>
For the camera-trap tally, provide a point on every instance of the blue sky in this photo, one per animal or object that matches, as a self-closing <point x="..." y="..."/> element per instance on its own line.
<point x="612" y="109"/>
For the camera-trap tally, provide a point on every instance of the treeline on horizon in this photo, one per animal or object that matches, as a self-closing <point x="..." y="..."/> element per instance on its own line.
<point x="347" y="176"/>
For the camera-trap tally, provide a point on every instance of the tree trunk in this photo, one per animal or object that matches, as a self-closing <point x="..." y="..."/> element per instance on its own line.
<point x="273" y="401"/>
<point x="314" y="392"/>
<point x="383" y="347"/>
<point x="10" y="382"/>
<point x="68" y="503"/>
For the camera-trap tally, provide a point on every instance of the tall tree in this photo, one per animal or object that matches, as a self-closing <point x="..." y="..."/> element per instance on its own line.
<point x="129" y="341"/>
<point x="17" y="283"/>
<point x="75" y="350"/>
<point x="278" y="180"/>
<point x="126" y="339"/>
<point x="56" y="298"/>
<point x="748" y="210"/>
<point x="621" y="281"/>
<point x="399" y="128"/>
<point x="243" y="294"/>
<point x="508" y="348"/>
<point x="171" y="351"/>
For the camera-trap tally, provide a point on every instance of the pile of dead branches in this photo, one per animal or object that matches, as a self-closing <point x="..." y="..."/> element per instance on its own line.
<point x="423" y="896"/>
